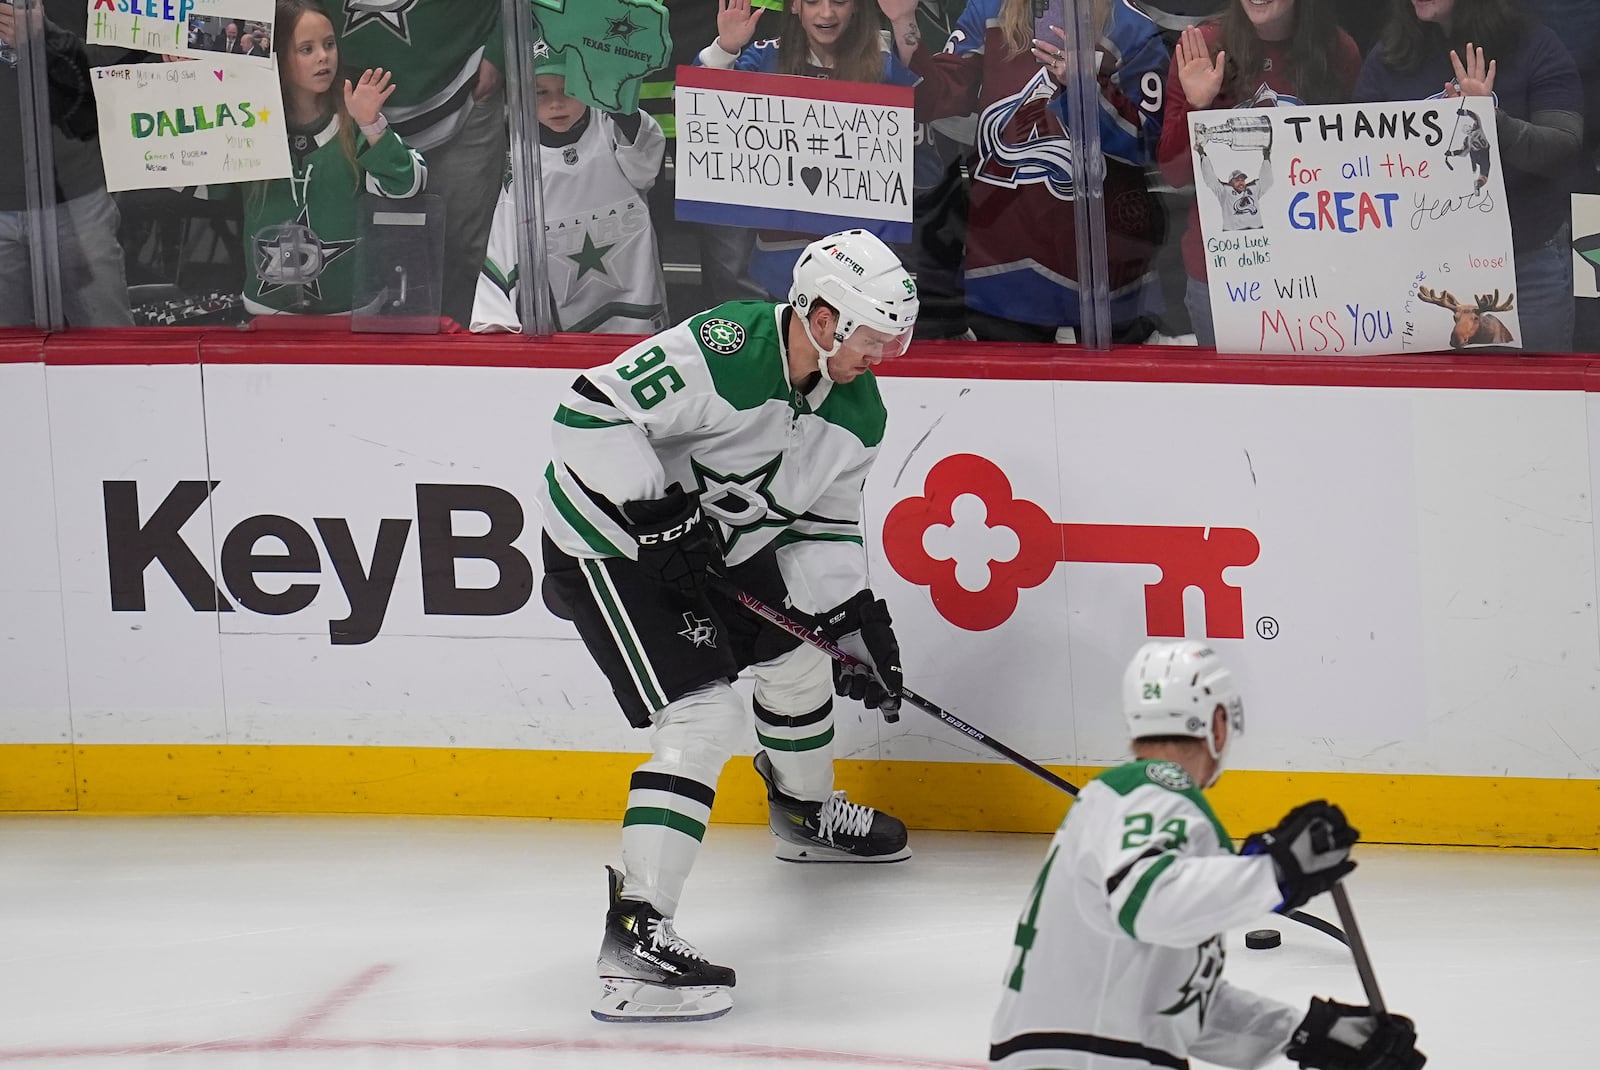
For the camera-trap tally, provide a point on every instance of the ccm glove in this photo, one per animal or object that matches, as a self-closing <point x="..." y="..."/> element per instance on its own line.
<point x="677" y="546"/>
<point x="861" y="628"/>
<point x="1337" y="1036"/>
<point x="1310" y="850"/>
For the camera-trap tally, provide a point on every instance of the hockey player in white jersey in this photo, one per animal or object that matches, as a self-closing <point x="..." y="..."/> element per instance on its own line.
<point x="737" y="441"/>
<point x="1119" y="958"/>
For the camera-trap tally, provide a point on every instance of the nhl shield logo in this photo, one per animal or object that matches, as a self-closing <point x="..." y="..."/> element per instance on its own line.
<point x="721" y="336"/>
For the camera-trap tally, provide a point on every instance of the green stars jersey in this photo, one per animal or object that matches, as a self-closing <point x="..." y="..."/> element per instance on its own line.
<point x="1118" y="959"/>
<point x="433" y="46"/>
<point x="708" y="404"/>
<point x="301" y="230"/>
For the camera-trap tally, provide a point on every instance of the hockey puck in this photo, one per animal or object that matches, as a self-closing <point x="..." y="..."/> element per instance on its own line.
<point x="1261" y="939"/>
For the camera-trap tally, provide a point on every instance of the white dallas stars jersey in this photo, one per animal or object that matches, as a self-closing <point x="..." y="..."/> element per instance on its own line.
<point x="1119" y="953"/>
<point x="603" y="267"/>
<point x="708" y="404"/>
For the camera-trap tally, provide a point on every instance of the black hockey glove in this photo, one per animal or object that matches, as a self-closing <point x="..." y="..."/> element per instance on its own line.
<point x="1310" y="850"/>
<point x="677" y="545"/>
<point x="861" y="628"/>
<point x="1337" y="1036"/>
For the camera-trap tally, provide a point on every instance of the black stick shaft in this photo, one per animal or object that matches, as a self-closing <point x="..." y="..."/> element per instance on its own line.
<point x="822" y="643"/>
<point x="1358" y="950"/>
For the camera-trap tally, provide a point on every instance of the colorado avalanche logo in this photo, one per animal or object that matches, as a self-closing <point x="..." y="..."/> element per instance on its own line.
<point x="1021" y="142"/>
<point x="1268" y="97"/>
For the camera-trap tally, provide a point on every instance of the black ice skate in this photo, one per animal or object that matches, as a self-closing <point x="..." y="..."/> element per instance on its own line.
<point x="652" y="974"/>
<point x="833" y="831"/>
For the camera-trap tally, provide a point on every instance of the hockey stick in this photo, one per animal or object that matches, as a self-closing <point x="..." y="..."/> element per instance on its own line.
<point x="1358" y="950"/>
<point x="814" y="638"/>
<point x="822" y="643"/>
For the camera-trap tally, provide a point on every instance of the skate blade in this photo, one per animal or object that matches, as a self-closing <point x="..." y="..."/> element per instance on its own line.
<point x="628" y="1000"/>
<point x="816" y="852"/>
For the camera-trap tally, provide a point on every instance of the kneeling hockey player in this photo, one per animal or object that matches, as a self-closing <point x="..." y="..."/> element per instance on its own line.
<point x="1119" y="955"/>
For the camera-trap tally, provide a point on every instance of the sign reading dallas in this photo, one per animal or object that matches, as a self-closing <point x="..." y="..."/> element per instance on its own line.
<point x="1356" y="228"/>
<point x="802" y="154"/>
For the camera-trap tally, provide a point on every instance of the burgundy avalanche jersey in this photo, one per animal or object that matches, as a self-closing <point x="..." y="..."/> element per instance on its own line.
<point x="1022" y="252"/>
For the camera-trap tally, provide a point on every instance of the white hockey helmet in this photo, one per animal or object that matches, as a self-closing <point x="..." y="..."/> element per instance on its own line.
<point x="861" y="279"/>
<point x="1173" y="687"/>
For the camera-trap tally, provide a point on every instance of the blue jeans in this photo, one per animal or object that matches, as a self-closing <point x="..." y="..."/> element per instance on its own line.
<point x="1545" y="305"/>
<point x="1197" y="299"/>
<point x="94" y="285"/>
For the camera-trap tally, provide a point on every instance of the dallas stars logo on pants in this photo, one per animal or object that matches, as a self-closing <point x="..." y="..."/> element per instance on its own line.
<point x="699" y="630"/>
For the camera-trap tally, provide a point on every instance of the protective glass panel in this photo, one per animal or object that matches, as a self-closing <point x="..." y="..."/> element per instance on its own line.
<point x="1439" y="210"/>
<point x="239" y="153"/>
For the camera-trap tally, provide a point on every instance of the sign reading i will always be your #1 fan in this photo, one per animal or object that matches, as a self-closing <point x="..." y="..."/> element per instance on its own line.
<point x="787" y="153"/>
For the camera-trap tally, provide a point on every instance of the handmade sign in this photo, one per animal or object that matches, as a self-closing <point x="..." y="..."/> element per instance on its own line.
<point x="189" y="124"/>
<point x="787" y="153"/>
<point x="224" y="31"/>
<point x="1356" y="228"/>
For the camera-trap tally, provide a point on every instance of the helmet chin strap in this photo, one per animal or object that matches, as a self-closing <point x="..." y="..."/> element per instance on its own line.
<point x="822" y="354"/>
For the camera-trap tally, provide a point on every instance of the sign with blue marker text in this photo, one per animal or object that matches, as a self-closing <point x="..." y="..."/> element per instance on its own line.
<point x="787" y="153"/>
<point x="1356" y="228"/>
<point x="189" y="124"/>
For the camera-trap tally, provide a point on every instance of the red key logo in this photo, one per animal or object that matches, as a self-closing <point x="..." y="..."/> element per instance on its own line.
<point x="1187" y="556"/>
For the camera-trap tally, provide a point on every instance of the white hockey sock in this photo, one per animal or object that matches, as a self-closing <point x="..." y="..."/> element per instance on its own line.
<point x="800" y="749"/>
<point x="670" y="795"/>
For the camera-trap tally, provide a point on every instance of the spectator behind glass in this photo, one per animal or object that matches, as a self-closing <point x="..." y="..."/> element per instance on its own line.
<point x="230" y="38"/>
<point x="1282" y="53"/>
<point x="601" y="260"/>
<point x="302" y="229"/>
<point x="450" y="105"/>
<point x="1453" y="48"/>
<point x="837" y="39"/>
<point x="94" y="286"/>
<point x="1021" y="270"/>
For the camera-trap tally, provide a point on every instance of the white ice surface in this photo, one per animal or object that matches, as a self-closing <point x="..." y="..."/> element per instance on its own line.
<point x="196" y="943"/>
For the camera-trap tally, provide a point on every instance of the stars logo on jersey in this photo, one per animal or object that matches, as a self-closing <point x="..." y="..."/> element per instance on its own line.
<point x="591" y="257"/>
<point x="743" y="503"/>
<point x="291" y="254"/>
<point x="699" y="630"/>
<point x="1169" y="775"/>
<point x="390" y="14"/>
<point x="721" y="336"/>
<point x="1202" y="982"/>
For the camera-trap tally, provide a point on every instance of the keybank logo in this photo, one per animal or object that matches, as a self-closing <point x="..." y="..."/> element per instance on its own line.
<point x="366" y="574"/>
<point x="1187" y="556"/>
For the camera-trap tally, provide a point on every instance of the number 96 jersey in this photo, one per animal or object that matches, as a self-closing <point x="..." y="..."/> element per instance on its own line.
<point x="1119" y="952"/>
<point x="708" y="404"/>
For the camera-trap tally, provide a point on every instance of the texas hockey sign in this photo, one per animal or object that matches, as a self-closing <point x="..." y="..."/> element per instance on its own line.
<point x="1187" y="556"/>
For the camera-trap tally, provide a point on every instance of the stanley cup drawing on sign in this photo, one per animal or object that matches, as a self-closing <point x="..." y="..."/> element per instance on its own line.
<point x="1239" y="196"/>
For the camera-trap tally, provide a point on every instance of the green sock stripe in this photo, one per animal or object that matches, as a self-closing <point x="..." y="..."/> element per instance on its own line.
<point x="809" y="743"/>
<point x="660" y="815"/>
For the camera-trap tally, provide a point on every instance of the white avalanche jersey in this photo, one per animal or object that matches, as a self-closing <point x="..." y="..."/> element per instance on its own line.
<point x="708" y="404"/>
<point x="601" y="260"/>
<point x="1119" y="955"/>
<point x="1240" y="210"/>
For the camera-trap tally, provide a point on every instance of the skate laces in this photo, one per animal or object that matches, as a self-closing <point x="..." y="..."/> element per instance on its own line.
<point x="664" y="938"/>
<point x="838" y="814"/>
